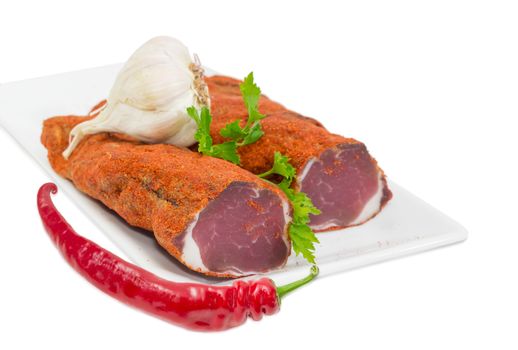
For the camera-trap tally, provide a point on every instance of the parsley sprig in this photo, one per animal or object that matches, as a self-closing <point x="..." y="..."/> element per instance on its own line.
<point x="239" y="136"/>
<point x="302" y="237"/>
<point x="252" y="131"/>
<point x="226" y="150"/>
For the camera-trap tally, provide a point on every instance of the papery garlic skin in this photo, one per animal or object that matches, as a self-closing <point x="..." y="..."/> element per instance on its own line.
<point x="150" y="96"/>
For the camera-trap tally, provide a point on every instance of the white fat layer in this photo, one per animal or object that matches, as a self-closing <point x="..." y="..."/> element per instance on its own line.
<point x="305" y="171"/>
<point x="372" y="206"/>
<point x="287" y="222"/>
<point x="325" y="225"/>
<point x="191" y="252"/>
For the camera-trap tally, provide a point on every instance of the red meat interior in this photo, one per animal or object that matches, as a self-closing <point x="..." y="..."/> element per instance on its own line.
<point x="242" y="230"/>
<point x="340" y="182"/>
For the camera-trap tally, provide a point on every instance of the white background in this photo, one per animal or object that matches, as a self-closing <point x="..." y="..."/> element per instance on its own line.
<point x="430" y="87"/>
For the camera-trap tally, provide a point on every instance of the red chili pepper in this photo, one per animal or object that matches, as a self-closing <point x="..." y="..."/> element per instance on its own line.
<point x="190" y="305"/>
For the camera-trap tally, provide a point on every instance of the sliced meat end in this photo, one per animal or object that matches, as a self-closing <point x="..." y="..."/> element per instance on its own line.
<point x="347" y="186"/>
<point x="243" y="231"/>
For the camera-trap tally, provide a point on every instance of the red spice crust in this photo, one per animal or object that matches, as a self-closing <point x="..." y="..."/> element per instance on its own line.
<point x="156" y="187"/>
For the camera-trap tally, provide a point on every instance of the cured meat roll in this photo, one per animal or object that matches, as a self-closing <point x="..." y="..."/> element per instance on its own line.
<point x="337" y="173"/>
<point x="214" y="217"/>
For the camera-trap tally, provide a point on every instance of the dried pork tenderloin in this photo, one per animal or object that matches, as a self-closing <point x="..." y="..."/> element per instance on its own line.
<point x="214" y="217"/>
<point x="337" y="173"/>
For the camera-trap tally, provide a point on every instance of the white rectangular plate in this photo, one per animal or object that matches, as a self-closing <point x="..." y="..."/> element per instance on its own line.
<point x="406" y="226"/>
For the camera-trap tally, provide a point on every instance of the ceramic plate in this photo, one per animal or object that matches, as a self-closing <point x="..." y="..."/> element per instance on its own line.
<point x="406" y="226"/>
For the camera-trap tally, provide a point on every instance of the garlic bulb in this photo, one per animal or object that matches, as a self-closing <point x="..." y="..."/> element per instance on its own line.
<point x="150" y="96"/>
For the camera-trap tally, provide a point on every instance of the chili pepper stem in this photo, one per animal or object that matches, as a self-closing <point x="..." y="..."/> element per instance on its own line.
<point x="283" y="290"/>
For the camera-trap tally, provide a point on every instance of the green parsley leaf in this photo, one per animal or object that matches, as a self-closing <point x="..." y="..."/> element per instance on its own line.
<point x="302" y="239"/>
<point x="253" y="135"/>
<point x="252" y="131"/>
<point x="281" y="166"/>
<point x="233" y="131"/>
<point x="251" y="94"/>
<point x="301" y="235"/>
<point x="203" y="119"/>
<point x="227" y="151"/>
<point x="302" y="204"/>
<point x="239" y="136"/>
